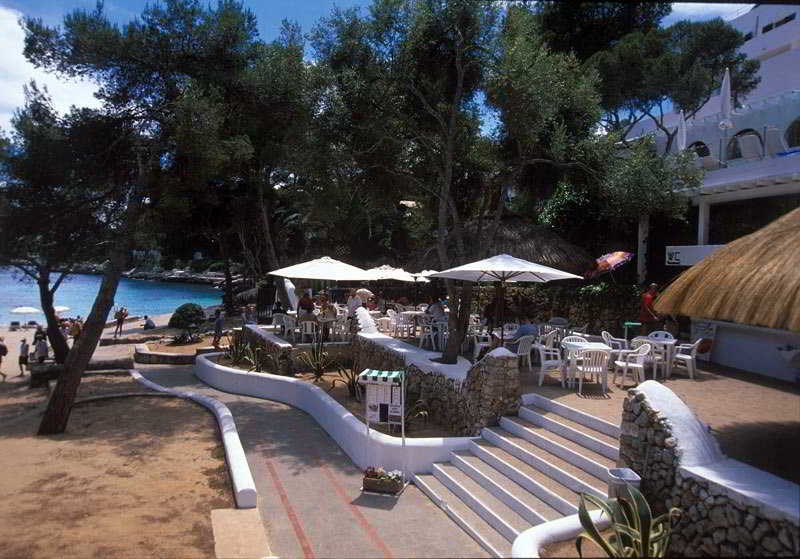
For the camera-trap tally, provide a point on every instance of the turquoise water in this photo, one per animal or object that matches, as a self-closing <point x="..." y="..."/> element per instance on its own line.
<point x="78" y="293"/>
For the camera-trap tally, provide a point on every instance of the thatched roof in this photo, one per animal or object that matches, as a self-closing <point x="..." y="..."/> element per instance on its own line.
<point x="524" y="239"/>
<point x="753" y="280"/>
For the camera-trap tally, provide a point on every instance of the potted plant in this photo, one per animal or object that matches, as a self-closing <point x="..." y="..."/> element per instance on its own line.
<point x="379" y="480"/>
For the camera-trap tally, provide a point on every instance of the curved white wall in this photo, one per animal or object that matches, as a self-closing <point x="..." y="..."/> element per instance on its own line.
<point x="343" y="427"/>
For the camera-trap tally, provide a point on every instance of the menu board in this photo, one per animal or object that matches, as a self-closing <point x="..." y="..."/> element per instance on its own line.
<point x="384" y="403"/>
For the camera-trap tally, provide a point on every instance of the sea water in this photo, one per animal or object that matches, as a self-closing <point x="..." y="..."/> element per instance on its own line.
<point x="78" y="291"/>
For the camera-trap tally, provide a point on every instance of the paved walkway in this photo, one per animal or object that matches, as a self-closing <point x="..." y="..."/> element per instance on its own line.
<point x="309" y="490"/>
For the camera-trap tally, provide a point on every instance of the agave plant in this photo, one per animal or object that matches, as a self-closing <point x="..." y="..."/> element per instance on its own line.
<point x="237" y="352"/>
<point x="348" y="377"/>
<point x="317" y="360"/>
<point x="635" y="533"/>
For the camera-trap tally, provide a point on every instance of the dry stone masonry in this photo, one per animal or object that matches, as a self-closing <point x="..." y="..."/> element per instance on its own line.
<point x="679" y="468"/>
<point x="490" y="390"/>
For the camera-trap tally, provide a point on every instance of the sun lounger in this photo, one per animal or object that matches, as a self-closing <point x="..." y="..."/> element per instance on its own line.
<point x="14" y="326"/>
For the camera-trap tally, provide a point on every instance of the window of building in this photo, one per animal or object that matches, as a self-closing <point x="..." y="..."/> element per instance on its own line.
<point x="733" y="150"/>
<point x="700" y="149"/>
<point x="793" y="134"/>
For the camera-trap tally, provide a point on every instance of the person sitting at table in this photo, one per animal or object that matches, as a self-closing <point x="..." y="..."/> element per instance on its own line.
<point x="372" y="304"/>
<point x="327" y="314"/>
<point x="436" y="310"/>
<point x="525" y="329"/>
<point x="305" y="306"/>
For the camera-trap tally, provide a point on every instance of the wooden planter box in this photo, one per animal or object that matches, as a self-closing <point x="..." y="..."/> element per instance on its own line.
<point x="376" y="485"/>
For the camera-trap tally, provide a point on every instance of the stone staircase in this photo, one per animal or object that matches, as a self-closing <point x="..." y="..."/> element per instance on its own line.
<point x="526" y="471"/>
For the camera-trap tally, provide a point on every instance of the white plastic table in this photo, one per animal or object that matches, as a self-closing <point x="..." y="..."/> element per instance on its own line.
<point x="668" y="347"/>
<point x="573" y="348"/>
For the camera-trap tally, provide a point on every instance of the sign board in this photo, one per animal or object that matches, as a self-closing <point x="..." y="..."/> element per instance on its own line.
<point x="688" y="255"/>
<point x="384" y="396"/>
<point x="704" y="329"/>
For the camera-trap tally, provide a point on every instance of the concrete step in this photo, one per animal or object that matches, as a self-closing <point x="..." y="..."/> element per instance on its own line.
<point x="569" y="429"/>
<point x="482" y="532"/>
<point x="573" y="414"/>
<point x="582" y="457"/>
<point x="559" y="497"/>
<point x="524" y="503"/>
<point x="499" y="515"/>
<point x="549" y="464"/>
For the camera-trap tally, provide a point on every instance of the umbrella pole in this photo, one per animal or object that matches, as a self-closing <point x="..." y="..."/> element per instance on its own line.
<point x="502" y="289"/>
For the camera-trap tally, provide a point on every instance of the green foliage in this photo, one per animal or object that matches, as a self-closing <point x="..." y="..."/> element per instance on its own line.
<point x="635" y="532"/>
<point x="317" y="361"/>
<point x="187" y="316"/>
<point x="237" y="351"/>
<point x="349" y="377"/>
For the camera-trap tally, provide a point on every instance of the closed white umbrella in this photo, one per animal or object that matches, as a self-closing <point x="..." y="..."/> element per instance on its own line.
<point x="725" y="101"/>
<point x="60" y="308"/>
<point x="325" y="268"/>
<point x="680" y="139"/>
<point x="25" y="310"/>
<point x="386" y="273"/>
<point x="504" y="268"/>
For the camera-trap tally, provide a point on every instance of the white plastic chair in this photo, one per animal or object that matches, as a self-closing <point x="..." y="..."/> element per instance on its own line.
<point x="308" y="328"/>
<point x="289" y="326"/>
<point x="658" y="353"/>
<point x="524" y="345"/>
<point x="441" y="330"/>
<point x="427" y="335"/>
<point x="616" y="344"/>
<point x="549" y="359"/>
<point x="632" y="360"/>
<point x="660" y="335"/>
<point x="686" y="355"/>
<point x="480" y="341"/>
<point x="595" y="363"/>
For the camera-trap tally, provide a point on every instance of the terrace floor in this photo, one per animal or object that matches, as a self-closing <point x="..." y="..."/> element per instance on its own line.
<point x="755" y="418"/>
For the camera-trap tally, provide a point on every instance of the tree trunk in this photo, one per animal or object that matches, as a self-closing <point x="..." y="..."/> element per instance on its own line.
<point x="56" y="416"/>
<point x="263" y="206"/>
<point x="54" y="334"/>
<point x="458" y="322"/>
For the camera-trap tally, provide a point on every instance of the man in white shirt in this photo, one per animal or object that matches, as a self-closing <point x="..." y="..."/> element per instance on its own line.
<point x="353" y="303"/>
<point x="436" y="310"/>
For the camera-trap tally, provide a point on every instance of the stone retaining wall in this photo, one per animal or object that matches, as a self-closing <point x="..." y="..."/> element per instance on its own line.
<point x="142" y="354"/>
<point x="490" y="390"/>
<point x="724" y="503"/>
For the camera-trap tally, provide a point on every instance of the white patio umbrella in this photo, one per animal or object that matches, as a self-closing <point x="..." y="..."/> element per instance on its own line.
<point x="325" y="268"/>
<point x="60" y="308"/>
<point x="504" y="268"/>
<point x="680" y="138"/>
<point x="725" y="101"/>
<point x="386" y="272"/>
<point x="422" y="277"/>
<point x="25" y="310"/>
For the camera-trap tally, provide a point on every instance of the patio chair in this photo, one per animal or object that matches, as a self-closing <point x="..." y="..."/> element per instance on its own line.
<point x="277" y="321"/>
<point x="616" y="344"/>
<point x="655" y="358"/>
<point x="549" y="359"/>
<point x="660" y="335"/>
<point x="32" y="324"/>
<point x="441" y="330"/>
<point x="340" y="327"/>
<point x="686" y="355"/>
<point x="422" y="307"/>
<point x="404" y="326"/>
<point x="573" y="339"/>
<point x="480" y="341"/>
<point x="427" y="335"/>
<point x="14" y="326"/>
<point x="595" y="363"/>
<point x="523" y="349"/>
<point x="309" y="328"/>
<point x="775" y="142"/>
<point x="632" y="360"/>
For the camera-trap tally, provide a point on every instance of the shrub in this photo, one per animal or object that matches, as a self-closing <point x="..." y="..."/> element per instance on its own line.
<point x="186" y="316"/>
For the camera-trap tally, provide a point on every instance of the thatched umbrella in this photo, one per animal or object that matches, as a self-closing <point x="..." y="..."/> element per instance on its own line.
<point x="752" y="280"/>
<point x="524" y="239"/>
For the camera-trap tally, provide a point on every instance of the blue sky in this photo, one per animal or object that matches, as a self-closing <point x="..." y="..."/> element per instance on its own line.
<point x="16" y="71"/>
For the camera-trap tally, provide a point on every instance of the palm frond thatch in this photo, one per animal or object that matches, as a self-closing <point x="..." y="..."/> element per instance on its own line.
<point x="753" y="280"/>
<point x="524" y="239"/>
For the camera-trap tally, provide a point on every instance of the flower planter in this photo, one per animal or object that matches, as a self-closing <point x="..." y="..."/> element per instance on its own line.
<point x="378" y="485"/>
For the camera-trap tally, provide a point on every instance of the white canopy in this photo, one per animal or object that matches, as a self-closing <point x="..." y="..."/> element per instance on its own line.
<point x="325" y="268"/>
<point x="422" y="277"/>
<point x="725" y="101"/>
<point x="386" y="272"/>
<point x="26" y="310"/>
<point x="505" y="268"/>
<point x="680" y="138"/>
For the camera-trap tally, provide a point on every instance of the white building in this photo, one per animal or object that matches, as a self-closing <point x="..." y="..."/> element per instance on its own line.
<point x="752" y="172"/>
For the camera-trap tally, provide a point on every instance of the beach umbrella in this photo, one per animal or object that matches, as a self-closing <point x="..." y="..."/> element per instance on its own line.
<point x="752" y="280"/>
<point x="325" y="268"/>
<point x="60" y="308"/>
<point x="610" y="262"/>
<point x="386" y="272"/>
<point x="725" y="101"/>
<point x="25" y="310"/>
<point x="504" y="268"/>
<point x="680" y="138"/>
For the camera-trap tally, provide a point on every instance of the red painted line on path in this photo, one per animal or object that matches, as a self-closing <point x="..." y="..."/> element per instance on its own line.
<point x="298" y="529"/>
<point x="362" y="520"/>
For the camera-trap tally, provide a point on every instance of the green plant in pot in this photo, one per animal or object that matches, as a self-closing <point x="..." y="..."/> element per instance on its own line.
<point x="633" y="530"/>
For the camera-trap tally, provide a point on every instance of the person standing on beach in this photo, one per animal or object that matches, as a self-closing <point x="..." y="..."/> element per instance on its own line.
<point x="3" y="353"/>
<point x="24" y="350"/>
<point x="219" y="323"/>
<point x="75" y="329"/>
<point x="41" y="350"/>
